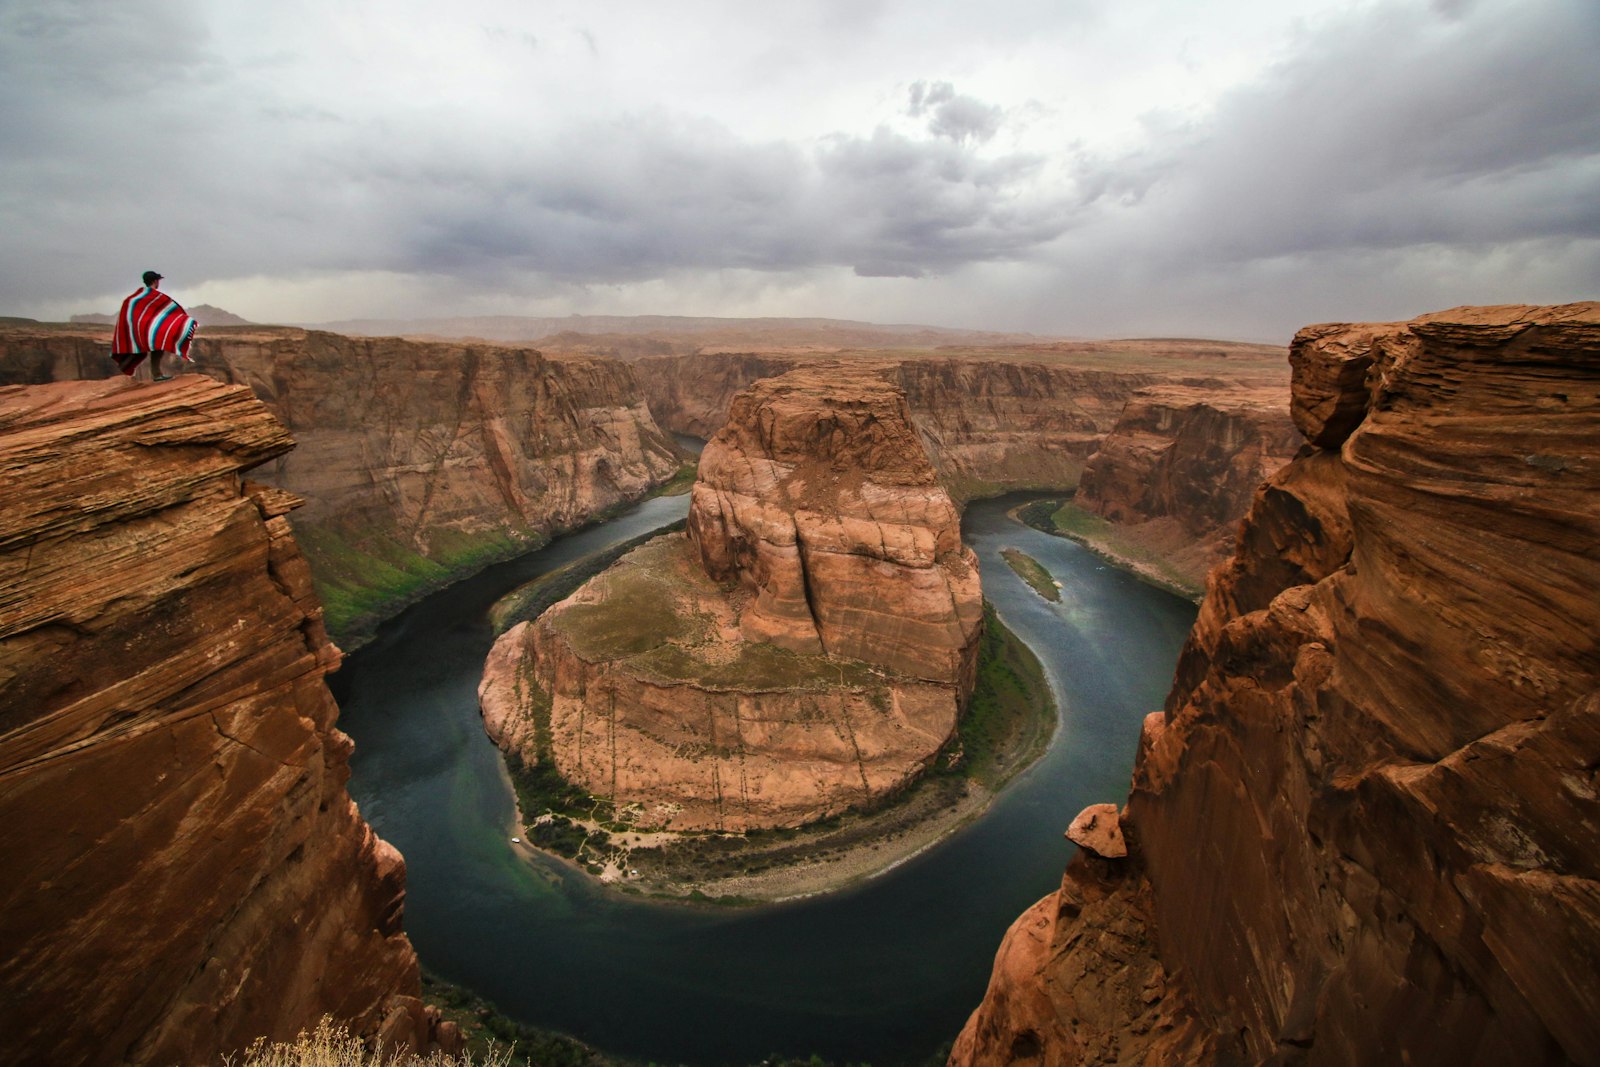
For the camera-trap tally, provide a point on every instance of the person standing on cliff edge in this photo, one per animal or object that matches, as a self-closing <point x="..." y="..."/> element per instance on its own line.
<point x="151" y="323"/>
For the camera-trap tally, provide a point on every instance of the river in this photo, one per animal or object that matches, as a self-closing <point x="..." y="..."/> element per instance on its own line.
<point x="884" y="973"/>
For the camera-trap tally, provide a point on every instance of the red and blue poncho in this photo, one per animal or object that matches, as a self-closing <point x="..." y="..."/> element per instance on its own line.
<point x="150" y="321"/>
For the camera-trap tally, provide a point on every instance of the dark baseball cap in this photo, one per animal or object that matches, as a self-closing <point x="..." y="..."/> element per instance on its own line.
<point x="151" y="276"/>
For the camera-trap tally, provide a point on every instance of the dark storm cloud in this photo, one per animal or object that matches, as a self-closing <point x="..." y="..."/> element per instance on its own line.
<point x="217" y="169"/>
<point x="635" y="200"/>
<point x="1473" y="125"/>
<point x="1391" y="151"/>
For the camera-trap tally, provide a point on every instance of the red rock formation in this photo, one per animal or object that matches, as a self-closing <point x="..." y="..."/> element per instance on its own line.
<point x="991" y="423"/>
<point x="184" y="870"/>
<point x="418" y="461"/>
<point x="818" y="497"/>
<point x="1366" y="828"/>
<point x="1180" y="467"/>
<point x="804" y="650"/>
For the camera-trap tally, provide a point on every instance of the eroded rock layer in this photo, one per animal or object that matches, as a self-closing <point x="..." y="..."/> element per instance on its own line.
<point x="805" y="649"/>
<point x="1020" y="419"/>
<point x="1365" y="829"/>
<point x="419" y="461"/>
<point x="184" y="871"/>
<point x="1179" y="468"/>
<point x="818" y="498"/>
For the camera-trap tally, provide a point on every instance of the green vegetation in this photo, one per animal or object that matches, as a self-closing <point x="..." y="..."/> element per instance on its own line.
<point x="1012" y="713"/>
<point x="363" y="578"/>
<point x="637" y="612"/>
<point x="681" y="482"/>
<point x="1036" y="513"/>
<point x="554" y="810"/>
<point x="364" y="574"/>
<point x="529" y="601"/>
<point x="1006" y="726"/>
<point x="1108" y="541"/>
<point x="487" y="1030"/>
<point x="1033" y="572"/>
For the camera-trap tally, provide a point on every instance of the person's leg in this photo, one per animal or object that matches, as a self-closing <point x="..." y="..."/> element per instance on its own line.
<point x="155" y="368"/>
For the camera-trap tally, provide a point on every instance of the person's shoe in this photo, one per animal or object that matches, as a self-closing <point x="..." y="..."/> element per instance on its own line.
<point x="163" y="378"/>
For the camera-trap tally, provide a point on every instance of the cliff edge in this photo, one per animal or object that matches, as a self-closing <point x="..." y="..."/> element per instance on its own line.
<point x="419" y="462"/>
<point x="1365" y="829"/>
<point x="184" y="870"/>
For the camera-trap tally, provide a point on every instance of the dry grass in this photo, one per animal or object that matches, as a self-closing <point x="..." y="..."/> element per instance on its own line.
<point x="637" y="607"/>
<point x="334" y="1046"/>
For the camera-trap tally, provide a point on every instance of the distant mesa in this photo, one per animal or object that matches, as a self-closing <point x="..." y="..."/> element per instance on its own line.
<point x="204" y="314"/>
<point x="804" y="649"/>
<point x="622" y="333"/>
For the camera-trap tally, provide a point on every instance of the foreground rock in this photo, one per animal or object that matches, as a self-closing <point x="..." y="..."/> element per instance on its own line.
<point x="419" y="461"/>
<point x="1365" y="830"/>
<point x="804" y="649"/>
<point x="1178" y="470"/>
<point x="184" y="871"/>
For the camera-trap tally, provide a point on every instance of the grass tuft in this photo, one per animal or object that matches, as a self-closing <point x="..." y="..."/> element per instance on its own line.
<point x="334" y="1046"/>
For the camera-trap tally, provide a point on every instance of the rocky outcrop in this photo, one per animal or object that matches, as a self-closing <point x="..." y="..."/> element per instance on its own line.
<point x="418" y="461"/>
<point x="1365" y="829"/>
<point x="817" y="498"/>
<point x="1178" y="470"/>
<point x="992" y="423"/>
<point x="804" y="649"/>
<point x="184" y="870"/>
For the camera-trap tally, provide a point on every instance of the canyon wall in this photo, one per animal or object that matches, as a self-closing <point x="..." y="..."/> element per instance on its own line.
<point x="1366" y="827"/>
<point x="184" y="871"/>
<point x="804" y="649"/>
<point x="419" y="461"/>
<point x="990" y="425"/>
<point x="1178" y="470"/>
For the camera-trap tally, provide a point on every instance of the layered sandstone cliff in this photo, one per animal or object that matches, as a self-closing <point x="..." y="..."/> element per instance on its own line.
<point x="418" y="461"/>
<point x="1365" y="829"/>
<point x="992" y="423"/>
<point x="805" y="648"/>
<point x="1178" y="470"/>
<point x="184" y="870"/>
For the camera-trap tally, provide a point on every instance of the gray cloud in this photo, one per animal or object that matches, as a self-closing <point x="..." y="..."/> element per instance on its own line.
<point x="653" y="197"/>
<point x="1400" y="156"/>
<point x="1478" y="124"/>
<point x="229" y="178"/>
<point x="957" y="117"/>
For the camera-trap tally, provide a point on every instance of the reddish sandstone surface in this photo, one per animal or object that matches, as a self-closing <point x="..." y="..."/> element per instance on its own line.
<point x="1178" y="470"/>
<point x="184" y="871"/>
<point x="1366" y="827"/>
<point x="818" y="498"/>
<point x="805" y="649"/>
<point x="418" y="461"/>
<point x="1023" y="417"/>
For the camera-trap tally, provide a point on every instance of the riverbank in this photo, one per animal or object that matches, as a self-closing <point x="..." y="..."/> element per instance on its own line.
<point x="1006" y="728"/>
<point x="1062" y="518"/>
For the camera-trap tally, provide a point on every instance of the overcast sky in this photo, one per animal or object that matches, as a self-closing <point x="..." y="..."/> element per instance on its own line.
<point x="1232" y="168"/>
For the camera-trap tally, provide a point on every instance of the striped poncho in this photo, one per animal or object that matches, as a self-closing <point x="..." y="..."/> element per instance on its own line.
<point x="150" y="321"/>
